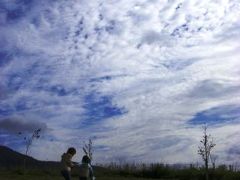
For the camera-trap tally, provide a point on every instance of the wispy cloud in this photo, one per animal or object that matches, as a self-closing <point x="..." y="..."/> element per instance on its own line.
<point x="140" y="77"/>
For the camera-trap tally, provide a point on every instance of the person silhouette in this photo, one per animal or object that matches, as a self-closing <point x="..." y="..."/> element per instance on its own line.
<point x="67" y="164"/>
<point x="85" y="169"/>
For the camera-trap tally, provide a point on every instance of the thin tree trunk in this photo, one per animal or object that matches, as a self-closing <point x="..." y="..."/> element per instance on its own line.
<point x="206" y="156"/>
<point x="206" y="173"/>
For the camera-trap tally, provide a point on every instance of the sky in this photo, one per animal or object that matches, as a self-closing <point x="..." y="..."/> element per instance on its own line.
<point x="139" y="77"/>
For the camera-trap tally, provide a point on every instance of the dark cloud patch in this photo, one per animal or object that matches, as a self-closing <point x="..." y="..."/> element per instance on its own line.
<point x="234" y="150"/>
<point x="178" y="64"/>
<point x="6" y="110"/>
<point x="5" y="58"/>
<point x="15" y="125"/>
<point x="58" y="90"/>
<point x="2" y="93"/>
<point x="233" y="153"/>
<point x="16" y="9"/>
<point x="151" y="37"/>
<point x="106" y="78"/>
<point x="212" y="89"/>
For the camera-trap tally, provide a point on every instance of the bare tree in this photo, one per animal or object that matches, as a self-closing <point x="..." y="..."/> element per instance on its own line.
<point x="29" y="140"/>
<point x="205" y="148"/>
<point x="88" y="148"/>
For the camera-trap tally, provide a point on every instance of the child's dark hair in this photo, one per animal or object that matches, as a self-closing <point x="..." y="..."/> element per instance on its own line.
<point x="71" y="150"/>
<point x="86" y="159"/>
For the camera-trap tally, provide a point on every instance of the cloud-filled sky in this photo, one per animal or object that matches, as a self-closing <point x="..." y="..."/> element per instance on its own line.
<point x="139" y="77"/>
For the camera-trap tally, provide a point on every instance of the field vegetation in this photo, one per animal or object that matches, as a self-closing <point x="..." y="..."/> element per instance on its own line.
<point x="127" y="172"/>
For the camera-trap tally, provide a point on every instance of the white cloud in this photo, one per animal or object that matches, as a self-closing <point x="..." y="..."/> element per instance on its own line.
<point x="161" y="61"/>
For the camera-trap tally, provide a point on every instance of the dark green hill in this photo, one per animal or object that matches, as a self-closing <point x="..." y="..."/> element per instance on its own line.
<point x="10" y="158"/>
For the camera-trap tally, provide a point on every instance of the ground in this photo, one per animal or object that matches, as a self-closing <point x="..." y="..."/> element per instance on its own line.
<point x="48" y="177"/>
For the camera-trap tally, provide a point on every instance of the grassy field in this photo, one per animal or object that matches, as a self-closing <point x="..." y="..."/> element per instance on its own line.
<point x="53" y="174"/>
<point x="38" y="175"/>
<point x="32" y="177"/>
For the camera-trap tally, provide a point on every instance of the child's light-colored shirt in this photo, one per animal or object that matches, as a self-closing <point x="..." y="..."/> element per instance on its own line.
<point x="66" y="162"/>
<point x="86" y="171"/>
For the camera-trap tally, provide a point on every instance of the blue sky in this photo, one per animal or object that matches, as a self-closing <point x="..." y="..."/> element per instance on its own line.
<point x="140" y="78"/>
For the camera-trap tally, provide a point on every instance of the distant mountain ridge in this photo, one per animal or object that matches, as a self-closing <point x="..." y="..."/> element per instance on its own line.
<point x="10" y="158"/>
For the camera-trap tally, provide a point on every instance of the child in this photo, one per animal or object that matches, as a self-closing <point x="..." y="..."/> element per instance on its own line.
<point x="86" y="171"/>
<point x="67" y="164"/>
